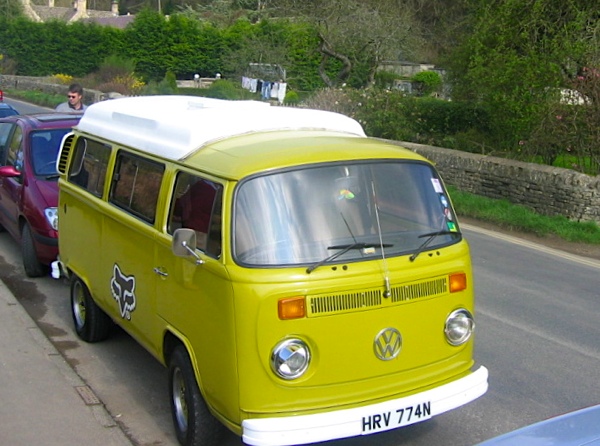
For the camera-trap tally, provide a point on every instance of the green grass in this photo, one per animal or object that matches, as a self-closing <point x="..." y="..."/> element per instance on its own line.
<point x="36" y="97"/>
<point x="521" y="218"/>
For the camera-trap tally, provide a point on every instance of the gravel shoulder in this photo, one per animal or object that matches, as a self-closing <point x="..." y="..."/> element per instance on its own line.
<point x="581" y="249"/>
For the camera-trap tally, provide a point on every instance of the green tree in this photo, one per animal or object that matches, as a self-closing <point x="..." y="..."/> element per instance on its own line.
<point x="178" y="43"/>
<point x="516" y="56"/>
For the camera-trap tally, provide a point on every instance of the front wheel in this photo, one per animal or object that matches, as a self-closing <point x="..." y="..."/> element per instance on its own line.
<point x="194" y="424"/>
<point x="91" y="323"/>
<point x="33" y="267"/>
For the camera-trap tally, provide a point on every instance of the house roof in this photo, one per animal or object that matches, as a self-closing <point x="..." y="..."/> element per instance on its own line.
<point x="120" y="21"/>
<point x="105" y="18"/>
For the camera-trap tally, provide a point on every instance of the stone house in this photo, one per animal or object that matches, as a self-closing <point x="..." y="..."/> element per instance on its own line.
<point x="79" y="12"/>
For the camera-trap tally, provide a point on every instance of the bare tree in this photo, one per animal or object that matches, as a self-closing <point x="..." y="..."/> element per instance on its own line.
<point x="372" y="30"/>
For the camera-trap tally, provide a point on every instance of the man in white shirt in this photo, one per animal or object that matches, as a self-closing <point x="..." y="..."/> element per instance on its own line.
<point x="75" y="100"/>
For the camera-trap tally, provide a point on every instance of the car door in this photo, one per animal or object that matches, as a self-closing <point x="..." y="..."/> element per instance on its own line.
<point x="128" y="233"/>
<point x="194" y="293"/>
<point x="11" y="183"/>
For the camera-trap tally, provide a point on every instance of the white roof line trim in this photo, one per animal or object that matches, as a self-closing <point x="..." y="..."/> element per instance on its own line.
<point x="175" y="126"/>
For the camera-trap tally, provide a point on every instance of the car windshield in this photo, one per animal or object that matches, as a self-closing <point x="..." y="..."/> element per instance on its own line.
<point x="44" y="150"/>
<point x="6" y="111"/>
<point x="340" y="213"/>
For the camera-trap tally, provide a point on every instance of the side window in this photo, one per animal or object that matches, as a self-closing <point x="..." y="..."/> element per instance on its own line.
<point x="136" y="185"/>
<point x="5" y="129"/>
<point x="14" y="156"/>
<point x="197" y="205"/>
<point x="90" y="162"/>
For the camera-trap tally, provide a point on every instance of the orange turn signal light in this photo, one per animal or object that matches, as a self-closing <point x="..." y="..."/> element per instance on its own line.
<point x="291" y="307"/>
<point x="458" y="282"/>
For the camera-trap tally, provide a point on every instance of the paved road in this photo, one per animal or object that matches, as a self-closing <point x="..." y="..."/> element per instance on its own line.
<point x="537" y="333"/>
<point x="23" y="107"/>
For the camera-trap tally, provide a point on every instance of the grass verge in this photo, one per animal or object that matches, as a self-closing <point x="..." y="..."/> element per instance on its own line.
<point x="36" y="97"/>
<point x="520" y="218"/>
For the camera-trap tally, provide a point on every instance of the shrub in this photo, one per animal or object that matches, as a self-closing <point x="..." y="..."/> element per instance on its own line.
<point x="332" y="99"/>
<point x="427" y="82"/>
<point x="225" y="89"/>
<point x="64" y="79"/>
<point x="291" y="98"/>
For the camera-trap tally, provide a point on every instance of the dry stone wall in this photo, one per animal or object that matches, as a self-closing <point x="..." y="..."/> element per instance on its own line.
<point x="545" y="189"/>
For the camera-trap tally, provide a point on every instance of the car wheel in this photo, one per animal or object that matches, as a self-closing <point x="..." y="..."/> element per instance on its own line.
<point x="33" y="267"/>
<point x="91" y="323"/>
<point x="194" y="424"/>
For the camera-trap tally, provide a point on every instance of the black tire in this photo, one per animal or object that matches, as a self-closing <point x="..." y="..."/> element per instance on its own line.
<point x="33" y="267"/>
<point x="194" y="424"/>
<point x="91" y="323"/>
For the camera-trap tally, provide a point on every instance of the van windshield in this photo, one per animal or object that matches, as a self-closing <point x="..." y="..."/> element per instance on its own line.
<point x="314" y="214"/>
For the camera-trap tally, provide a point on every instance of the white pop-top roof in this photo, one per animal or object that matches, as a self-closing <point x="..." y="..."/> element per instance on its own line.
<point x="174" y="126"/>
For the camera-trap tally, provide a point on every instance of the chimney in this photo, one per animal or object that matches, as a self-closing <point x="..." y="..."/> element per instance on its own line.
<point x="80" y="7"/>
<point x="114" y="7"/>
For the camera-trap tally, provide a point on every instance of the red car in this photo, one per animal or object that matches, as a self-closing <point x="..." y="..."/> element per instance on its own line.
<point x="29" y="147"/>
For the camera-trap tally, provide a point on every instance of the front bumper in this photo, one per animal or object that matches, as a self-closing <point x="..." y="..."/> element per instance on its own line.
<point x="373" y="418"/>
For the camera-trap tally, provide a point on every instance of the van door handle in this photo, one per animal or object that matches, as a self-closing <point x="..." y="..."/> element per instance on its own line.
<point x="158" y="270"/>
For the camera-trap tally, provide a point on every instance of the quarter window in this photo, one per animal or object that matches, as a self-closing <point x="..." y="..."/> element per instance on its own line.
<point x="197" y="206"/>
<point x="136" y="185"/>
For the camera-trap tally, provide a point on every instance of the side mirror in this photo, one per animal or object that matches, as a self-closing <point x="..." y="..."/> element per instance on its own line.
<point x="9" y="172"/>
<point x="184" y="244"/>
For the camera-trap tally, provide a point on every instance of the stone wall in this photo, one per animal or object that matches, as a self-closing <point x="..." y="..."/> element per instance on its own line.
<point x="545" y="189"/>
<point x="45" y="85"/>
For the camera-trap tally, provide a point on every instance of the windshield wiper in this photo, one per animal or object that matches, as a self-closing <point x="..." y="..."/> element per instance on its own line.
<point x="430" y="236"/>
<point x="343" y="250"/>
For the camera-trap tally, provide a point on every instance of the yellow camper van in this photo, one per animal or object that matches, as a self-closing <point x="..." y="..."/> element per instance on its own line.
<point x="300" y="281"/>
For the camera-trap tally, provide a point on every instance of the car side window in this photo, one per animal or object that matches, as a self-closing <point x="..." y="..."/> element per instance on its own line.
<point x="89" y="166"/>
<point x="136" y="185"/>
<point x="5" y="129"/>
<point x="197" y="204"/>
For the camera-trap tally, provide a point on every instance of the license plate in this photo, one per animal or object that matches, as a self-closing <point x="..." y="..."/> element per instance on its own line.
<point x="402" y="416"/>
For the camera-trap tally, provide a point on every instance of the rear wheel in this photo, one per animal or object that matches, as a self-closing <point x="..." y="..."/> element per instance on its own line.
<point x="194" y="424"/>
<point x="33" y="267"/>
<point x="91" y="323"/>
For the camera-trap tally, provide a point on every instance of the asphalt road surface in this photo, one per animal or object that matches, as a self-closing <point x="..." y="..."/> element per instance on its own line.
<point x="537" y="332"/>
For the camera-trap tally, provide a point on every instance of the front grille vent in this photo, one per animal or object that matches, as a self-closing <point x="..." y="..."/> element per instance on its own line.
<point x="64" y="154"/>
<point x="419" y="290"/>
<point x="342" y="303"/>
<point x="327" y="304"/>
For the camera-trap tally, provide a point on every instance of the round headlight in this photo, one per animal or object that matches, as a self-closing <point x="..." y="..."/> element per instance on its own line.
<point x="459" y="327"/>
<point x="290" y="358"/>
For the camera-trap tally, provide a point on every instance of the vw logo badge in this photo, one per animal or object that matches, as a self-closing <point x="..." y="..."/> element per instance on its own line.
<point x="387" y="344"/>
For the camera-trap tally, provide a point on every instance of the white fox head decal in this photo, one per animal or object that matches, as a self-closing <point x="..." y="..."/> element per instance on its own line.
<point x="122" y="288"/>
